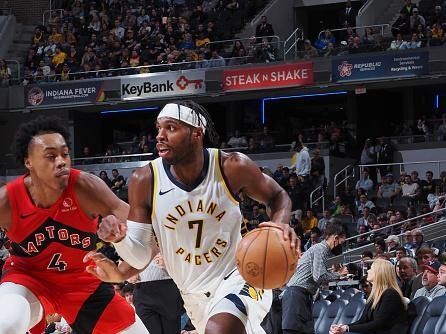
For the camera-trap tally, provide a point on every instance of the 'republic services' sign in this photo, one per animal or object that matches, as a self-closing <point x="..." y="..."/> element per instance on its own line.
<point x="147" y="86"/>
<point x="380" y="66"/>
<point x="64" y="93"/>
<point x="261" y="77"/>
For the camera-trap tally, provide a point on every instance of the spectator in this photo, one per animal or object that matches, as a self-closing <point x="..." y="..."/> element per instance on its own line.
<point x="414" y="43"/>
<point x="285" y="177"/>
<point x="392" y="242"/>
<point x="258" y="216"/>
<point x="296" y="193"/>
<point x="416" y="20"/>
<point x="5" y="73"/>
<point x="315" y="238"/>
<point x="309" y="222"/>
<point x="384" y="155"/>
<point x="103" y="175"/>
<point x="322" y="224"/>
<point x="397" y="43"/>
<point x="428" y="186"/>
<point x="425" y="255"/>
<point x="237" y="140"/>
<point x="264" y="29"/>
<point x="118" y="181"/>
<point x="409" y="189"/>
<point x="59" y="57"/>
<point x="311" y="273"/>
<point x="401" y="25"/>
<point x="368" y="157"/>
<point x="348" y="15"/>
<point x="335" y="206"/>
<point x="429" y="280"/>
<point x="388" y="189"/>
<point x="216" y="60"/>
<point x="409" y="282"/>
<point x="364" y="202"/>
<point x="265" y="139"/>
<point x="317" y="169"/>
<point x="324" y="39"/>
<point x="442" y="270"/>
<point x="408" y="8"/>
<point x="418" y="237"/>
<point x="362" y="240"/>
<point x="400" y="252"/>
<point x="309" y="50"/>
<point x="364" y="182"/>
<point x="303" y="162"/>
<point x="385" y="311"/>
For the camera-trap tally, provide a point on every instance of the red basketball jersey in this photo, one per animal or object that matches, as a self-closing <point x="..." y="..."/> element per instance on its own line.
<point x="53" y="239"/>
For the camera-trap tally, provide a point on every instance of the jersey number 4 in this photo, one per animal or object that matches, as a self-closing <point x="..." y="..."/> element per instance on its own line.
<point x="56" y="263"/>
<point x="199" y="224"/>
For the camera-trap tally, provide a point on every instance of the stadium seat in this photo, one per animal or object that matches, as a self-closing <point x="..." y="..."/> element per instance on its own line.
<point x="319" y="309"/>
<point x="358" y="296"/>
<point x="420" y="304"/>
<point x="332" y="296"/>
<point x="347" y="295"/>
<point x="324" y="293"/>
<point x="351" y="312"/>
<point x="332" y="313"/>
<point x="432" y="318"/>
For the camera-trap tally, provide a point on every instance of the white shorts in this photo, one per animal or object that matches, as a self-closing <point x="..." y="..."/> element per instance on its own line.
<point x="234" y="296"/>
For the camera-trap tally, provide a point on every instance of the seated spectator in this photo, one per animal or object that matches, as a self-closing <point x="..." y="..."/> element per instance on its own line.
<point x="258" y="216"/>
<point x="397" y="43"/>
<point x="388" y="189"/>
<point x="309" y="221"/>
<point x="216" y="60"/>
<point x="335" y="206"/>
<point x="362" y="239"/>
<point x="5" y="73"/>
<point x="315" y="238"/>
<point x="324" y="39"/>
<point x="401" y="25"/>
<point x="364" y="202"/>
<point x="400" y="252"/>
<point x="237" y="140"/>
<point x="408" y="281"/>
<point x="103" y="175"/>
<point x="414" y="43"/>
<point x="429" y="280"/>
<point x="425" y="255"/>
<point x="442" y="270"/>
<point x="437" y="34"/>
<point x="392" y="242"/>
<point x="309" y="50"/>
<point x="409" y="189"/>
<point x="317" y="169"/>
<point x="385" y="310"/>
<point x="418" y="240"/>
<point x="322" y="224"/>
<point x="296" y="192"/>
<point x="416" y="20"/>
<point x="365" y="182"/>
<point x="118" y="181"/>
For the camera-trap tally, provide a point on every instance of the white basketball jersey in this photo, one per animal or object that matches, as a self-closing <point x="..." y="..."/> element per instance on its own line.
<point x="197" y="227"/>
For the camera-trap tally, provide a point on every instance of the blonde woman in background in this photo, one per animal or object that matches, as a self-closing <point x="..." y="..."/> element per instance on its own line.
<point x="385" y="311"/>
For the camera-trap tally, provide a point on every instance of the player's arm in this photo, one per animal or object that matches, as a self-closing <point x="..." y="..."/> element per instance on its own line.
<point x="5" y="209"/>
<point x="245" y="176"/>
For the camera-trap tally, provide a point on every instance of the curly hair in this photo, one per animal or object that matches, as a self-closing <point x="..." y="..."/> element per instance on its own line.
<point x="27" y="131"/>
<point x="211" y="135"/>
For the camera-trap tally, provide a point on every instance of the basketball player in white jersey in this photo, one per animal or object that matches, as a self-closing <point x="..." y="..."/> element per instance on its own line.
<point x="189" y="197"/>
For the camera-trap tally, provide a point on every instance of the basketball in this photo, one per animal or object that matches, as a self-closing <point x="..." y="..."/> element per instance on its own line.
<point x="264" y="260"/>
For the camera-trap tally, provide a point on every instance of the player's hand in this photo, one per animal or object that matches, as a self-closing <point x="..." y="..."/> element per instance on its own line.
<point x="103" y="268"/>
<point x="288" y="234"/>
<point x="111" y="229"/>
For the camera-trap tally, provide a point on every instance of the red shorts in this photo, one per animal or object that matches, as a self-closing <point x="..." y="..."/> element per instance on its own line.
<point x="87" y="304"/>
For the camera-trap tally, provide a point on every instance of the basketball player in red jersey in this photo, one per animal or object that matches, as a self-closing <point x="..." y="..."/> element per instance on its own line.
<point x="50" y="215"/>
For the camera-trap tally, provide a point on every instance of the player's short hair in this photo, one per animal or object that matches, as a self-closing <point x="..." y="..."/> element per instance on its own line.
<point x="211" y="135"/>
<point x="38" y="126"/>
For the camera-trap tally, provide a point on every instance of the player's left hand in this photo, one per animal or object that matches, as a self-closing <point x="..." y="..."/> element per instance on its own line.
<point x="288" y="234"/>
<point x="104" y="268"/>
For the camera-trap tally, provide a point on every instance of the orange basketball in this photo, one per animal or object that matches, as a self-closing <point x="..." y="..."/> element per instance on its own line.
<point x="264" y="260"/>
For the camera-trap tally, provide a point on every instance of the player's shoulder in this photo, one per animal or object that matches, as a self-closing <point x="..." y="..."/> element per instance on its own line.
<point x="234" y="159"/>
<point x="5" y="207"/>
<point x="142" y="174"/>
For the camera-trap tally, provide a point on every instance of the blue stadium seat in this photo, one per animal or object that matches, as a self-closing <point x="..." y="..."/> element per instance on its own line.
<point x="420" y="304"/>
<point x="432" y="318"/>
<point x="347" y="294"/>
<point x="319" y="309"/>
<point x="333" y="312"/>
<point x="358" y="296"/>
<point x="351" y="312"/>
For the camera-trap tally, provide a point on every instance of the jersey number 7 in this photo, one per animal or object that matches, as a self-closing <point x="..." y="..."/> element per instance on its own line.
<point x="199" y="224"/>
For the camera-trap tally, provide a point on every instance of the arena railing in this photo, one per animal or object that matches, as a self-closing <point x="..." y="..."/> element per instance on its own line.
<point x="318" y="191"/>
<point x="112" y="158"/>
<point x="294" y="38"/>
<point x="382" y="27"/>
<point x="348" y="172"/>
<point x="351" y="242"/>
<point x="49" y="13"/>
<point x="158" y="68"/>
<point x="434" y="163"/>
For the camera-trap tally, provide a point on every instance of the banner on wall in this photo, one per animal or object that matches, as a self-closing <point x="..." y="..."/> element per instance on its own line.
<point x="74" y="92"/>
<point x="381" y="66"/>
<point x="261" y="77"/>
<point x="156" y="85"/>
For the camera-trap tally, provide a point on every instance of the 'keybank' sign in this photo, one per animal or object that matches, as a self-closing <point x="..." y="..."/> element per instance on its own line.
<point x="275" y="76"/>
<point x="147" y="86"/>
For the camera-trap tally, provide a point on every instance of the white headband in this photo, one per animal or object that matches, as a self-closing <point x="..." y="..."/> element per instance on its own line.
<point x="183" y="114"/>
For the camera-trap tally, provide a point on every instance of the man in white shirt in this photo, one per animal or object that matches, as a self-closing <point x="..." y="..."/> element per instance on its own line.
<point x="409" y="188"/>
<point x="303" y="162"/>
